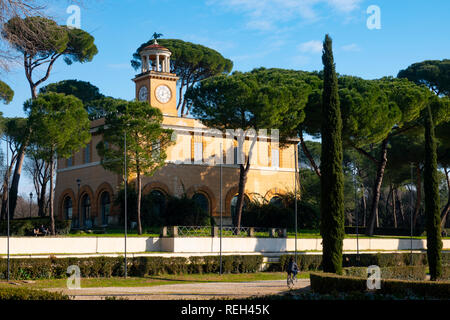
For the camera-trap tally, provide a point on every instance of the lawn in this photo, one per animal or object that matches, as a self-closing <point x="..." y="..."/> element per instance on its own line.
<point x="153" y="280"/>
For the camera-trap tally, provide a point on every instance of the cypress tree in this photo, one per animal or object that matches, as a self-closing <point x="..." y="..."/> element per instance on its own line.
<point x="332" y="178"/>
<point x="431" y="186"/>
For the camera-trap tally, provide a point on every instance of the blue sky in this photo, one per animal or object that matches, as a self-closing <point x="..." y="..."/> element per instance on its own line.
<point x="252" y="33"/>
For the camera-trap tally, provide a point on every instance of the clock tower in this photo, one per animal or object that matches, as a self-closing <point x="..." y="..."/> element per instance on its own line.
<point x="155" y="84"/>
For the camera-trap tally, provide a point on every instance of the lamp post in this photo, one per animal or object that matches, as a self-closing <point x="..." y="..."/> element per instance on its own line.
<point x="295" y="198"/>
<point x="7" y="211"/>
<point x="356" y="214"/>
<point x="221" y="225"/>
<point x="31" y="199"/>
<point x="126" y="180"/>
<point x="78" y="202"/>
<point x="411" y="216"/>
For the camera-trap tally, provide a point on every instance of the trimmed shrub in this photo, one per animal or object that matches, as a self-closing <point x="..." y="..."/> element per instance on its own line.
<point x="327" y="283"/>
<point x="402" y="273"/>
<point x="95" y="267"/>
<point x="30" y="294"/>
<point x="310" y="262"/>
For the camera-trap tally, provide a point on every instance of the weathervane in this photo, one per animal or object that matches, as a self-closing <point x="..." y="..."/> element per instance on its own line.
<point x="156" y="36"/>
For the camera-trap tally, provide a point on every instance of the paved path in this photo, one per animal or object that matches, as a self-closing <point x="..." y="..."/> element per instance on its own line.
<point x="191" y="291"/>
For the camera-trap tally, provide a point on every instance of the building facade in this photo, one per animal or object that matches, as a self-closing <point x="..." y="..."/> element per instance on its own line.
<point x="202" y="163"/>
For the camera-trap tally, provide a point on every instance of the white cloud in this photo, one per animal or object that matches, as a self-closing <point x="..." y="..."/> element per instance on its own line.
<point x="313" y="46"/>
<point x="344" y="5"/>
<point x="351" y="47"/>
<point x="264" y="15"/>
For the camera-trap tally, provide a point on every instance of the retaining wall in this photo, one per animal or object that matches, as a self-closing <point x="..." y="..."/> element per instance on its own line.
<point x="104" y="245"/>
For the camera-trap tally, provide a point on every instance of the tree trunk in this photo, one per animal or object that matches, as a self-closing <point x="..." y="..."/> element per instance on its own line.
<point x="400" y="207"/>
<point x="52" y="217"/>
<point x="364" y="204"/>
<point x="139" y="196"/>
<point x="387" y="202"/>
<point x="377" y="189"/>
<point x="243" y="171"/>
<point x="42" y="200"/>
<point x="446" y="209"/>
<point x="15" y="181"/>
<point x="394" y="211"/>
<point x="419" y="195"/>
<point x="308" y="155"/>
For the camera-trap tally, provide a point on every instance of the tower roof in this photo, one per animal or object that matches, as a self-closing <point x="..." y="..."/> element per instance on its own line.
<point x="155" y="46"/>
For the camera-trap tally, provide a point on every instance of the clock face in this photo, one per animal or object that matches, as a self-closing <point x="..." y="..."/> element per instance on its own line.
<point x="143" y="93"/>
<point x="163" y="94"/>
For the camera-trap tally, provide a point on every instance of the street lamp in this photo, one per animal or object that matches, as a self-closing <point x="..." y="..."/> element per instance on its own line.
<point x="356" y="213"/>
<point x="126" y="181"/>
<point x="7" y="211"/>
<point x="78" y="203"/>
<point x="221" y="222"/>
<point x="31" y="199"/>
<point x="411" y="215"/>
<point x="295" y="198"/>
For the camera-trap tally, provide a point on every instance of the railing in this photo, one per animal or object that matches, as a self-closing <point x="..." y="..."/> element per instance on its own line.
<point x="207" y="231"/>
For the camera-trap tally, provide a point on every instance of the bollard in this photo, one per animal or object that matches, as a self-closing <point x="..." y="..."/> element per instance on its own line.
<point x="174" y="231"/>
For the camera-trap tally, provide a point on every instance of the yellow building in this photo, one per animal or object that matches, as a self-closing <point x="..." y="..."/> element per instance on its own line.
<point x="85" y="191"/>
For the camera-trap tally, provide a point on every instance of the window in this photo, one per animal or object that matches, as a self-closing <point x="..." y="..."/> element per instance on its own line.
<point x="105" y="201"/>
<point x="70" y="162"/>
<point x="202" y="201"/>
<point x="68" y="208"/>
<point x="87" y="153"/>
<point x="86" y="213"/>
<point x="198" y="152"/>
<point x="275" y="158"/>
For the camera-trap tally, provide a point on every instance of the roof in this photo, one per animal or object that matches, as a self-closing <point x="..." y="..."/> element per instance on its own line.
<point x="155" y="46"/>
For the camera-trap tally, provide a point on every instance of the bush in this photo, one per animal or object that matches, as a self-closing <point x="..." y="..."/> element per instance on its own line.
<point x="30" y="294"/>
<point x="46" y="268"/>
<point x="310" y="262"/>
<point x="267" y="215"/>
<point x="185" y="212"/>
<point x="24" y="227"/>
<point x="158" y="211"/>
<point x="326" y="283"/>
<point x="401" y="273"/>
<point x="305" y="262"/>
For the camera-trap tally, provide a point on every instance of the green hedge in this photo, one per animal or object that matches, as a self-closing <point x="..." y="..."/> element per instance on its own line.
<point x="94" y="267"/>
<point x="400" y="273"/>
<point x="311" y="262"/>
<point x="326" y="283"/>
<point x="24" y="227"/>
<point x="30" y="294"/>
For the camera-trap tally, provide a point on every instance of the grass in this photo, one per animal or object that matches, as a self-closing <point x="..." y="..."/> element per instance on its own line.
<point x="153" y="280"/>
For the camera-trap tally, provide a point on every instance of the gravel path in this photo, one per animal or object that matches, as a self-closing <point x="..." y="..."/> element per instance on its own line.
<point x="191" y="291"/>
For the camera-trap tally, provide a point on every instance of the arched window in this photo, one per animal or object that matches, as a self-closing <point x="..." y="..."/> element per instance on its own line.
<point x="68" y="208"/>
<point x="105" y="203"/>
<point x="276" y="201"/>
<point x="86" y="211"/>
<point x="159" y="202"/>
<point x="234" y="204"/>
<point x="202" y="201"/>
